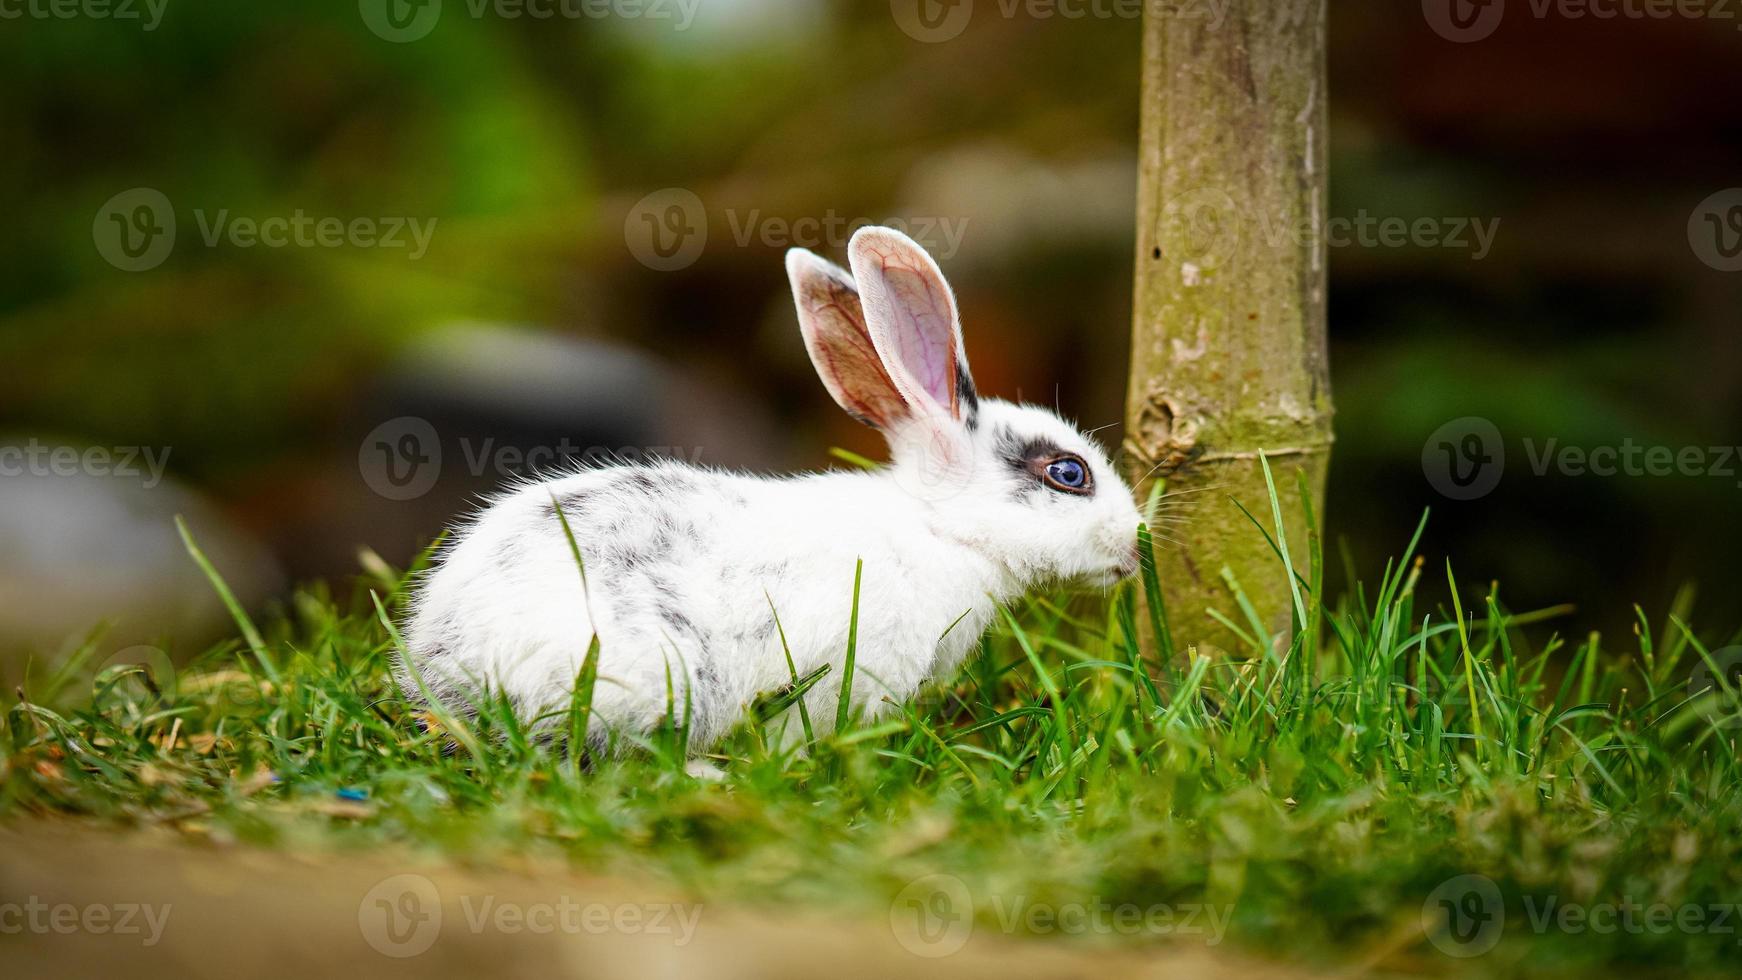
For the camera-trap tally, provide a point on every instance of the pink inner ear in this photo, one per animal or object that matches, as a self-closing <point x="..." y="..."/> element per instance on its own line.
<point x="924" y="331"/>
<point x="840" y="347"/>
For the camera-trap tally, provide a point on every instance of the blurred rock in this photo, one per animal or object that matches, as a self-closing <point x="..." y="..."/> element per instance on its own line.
<point x="88" y="537"/>
<point x="476" y="407"/>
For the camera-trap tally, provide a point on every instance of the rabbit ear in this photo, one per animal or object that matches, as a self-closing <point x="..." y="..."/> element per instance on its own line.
<point x="911" y="315"/>
<point x="833" y="324"/>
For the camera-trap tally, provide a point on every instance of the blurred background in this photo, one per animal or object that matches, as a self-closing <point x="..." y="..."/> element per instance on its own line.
<point x="315" y="275"/>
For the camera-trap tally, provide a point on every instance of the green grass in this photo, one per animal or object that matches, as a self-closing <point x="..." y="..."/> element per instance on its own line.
<point x="1319" y="794"/>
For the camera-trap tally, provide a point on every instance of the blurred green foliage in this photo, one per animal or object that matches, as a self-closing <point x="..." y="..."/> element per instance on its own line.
<point x="526" y="141"/>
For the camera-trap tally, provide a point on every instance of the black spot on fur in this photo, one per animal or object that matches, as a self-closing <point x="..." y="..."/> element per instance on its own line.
<point x="1037" y="450"/>
<point x="640" y="480"/>
<point x="679" y="623"/>
<point x="573" y="503"/>
<point x="764" y="570"/>
<point x="967" y="397"/>
<point x="1019" y="452"/>
<point x="1024" y="456"/>
<point x="660" y="584"/>
<point x="625" y="558"/>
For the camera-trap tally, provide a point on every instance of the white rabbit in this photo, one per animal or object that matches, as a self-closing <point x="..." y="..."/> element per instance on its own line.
<point x="687" y="567"/>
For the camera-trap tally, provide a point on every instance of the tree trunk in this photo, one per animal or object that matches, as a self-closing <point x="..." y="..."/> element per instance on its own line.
<point x="1228" y="344"/>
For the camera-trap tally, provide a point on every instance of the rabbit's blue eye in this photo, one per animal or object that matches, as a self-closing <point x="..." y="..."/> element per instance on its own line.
<point x="1068" y="473"/>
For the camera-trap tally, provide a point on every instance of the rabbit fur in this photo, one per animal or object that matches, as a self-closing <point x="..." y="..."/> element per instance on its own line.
<point x="687" y="568"/>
